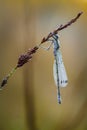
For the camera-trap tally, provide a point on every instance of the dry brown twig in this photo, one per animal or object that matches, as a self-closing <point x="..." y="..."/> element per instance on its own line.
<point x="24" y="58"/>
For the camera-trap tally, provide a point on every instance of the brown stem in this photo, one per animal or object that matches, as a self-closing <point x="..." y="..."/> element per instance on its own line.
<point x="61" y="27"/>
<point x="24" y="58"/>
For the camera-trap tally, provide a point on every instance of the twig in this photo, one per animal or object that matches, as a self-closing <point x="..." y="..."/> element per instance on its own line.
<point x="24" y="58"/>
<point x="61" y="27"/>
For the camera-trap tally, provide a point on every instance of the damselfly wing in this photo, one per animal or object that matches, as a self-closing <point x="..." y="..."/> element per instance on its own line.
<point x="61" y="74"/>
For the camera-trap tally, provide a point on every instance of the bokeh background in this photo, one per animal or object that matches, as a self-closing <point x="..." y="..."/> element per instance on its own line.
<point x="29" y="100"/>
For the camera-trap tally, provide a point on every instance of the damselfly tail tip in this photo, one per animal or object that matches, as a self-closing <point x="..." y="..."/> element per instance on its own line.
<point x="59" y="99"/>
<point x="59" y="102"/>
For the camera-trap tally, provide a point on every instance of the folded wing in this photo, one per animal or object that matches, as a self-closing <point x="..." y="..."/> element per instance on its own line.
<point x="59" y="72"/>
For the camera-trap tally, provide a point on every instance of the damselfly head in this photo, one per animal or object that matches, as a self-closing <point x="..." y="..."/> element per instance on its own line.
<point x="55" y="36"/>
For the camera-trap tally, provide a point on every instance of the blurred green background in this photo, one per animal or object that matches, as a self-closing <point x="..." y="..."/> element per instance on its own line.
<point x="29" y="101"/>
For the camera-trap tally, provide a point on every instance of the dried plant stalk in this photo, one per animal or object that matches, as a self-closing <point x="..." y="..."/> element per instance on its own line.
<point x="24" y="58"/>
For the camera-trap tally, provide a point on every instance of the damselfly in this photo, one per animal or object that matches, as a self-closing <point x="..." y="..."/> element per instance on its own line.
<point x="59" y="72"/>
